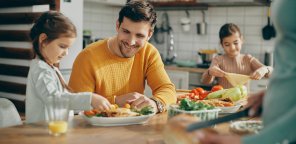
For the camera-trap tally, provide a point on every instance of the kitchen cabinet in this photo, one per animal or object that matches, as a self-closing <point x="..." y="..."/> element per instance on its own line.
<point x="109" y="2"/>
<point x="195" y="81"/>
<point x="179" y="78"/>
<point x="257" y="85"/>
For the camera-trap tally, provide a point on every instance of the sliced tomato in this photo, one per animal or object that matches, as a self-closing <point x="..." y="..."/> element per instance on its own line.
<point x="89" y="113"/>
<point x="216" y="88"/>
<point x="204" y="95"/>
<point x="200" y="90"/>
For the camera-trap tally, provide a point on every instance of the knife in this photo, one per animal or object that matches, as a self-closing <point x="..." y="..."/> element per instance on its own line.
<point x="208" y="123"/>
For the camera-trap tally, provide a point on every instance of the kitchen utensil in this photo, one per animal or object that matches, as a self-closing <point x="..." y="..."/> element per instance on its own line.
<point x="202" y="26"/>
<point x="206" y="58"/>
<point x="268" y="31"/>
<point x="227" y="118"/>
<point x="237" y="79"/>
<point x="185" y="22"/>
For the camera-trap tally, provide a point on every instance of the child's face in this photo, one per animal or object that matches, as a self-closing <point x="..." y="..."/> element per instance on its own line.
<point x="55" y="50"/>
<point x="232" y="44"/>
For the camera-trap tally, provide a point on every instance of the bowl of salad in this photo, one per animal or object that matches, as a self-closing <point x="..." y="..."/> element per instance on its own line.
<point x="198" y="109"/>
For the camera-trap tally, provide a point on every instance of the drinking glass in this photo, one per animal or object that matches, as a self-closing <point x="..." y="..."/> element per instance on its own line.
<point x="57" y="108"/>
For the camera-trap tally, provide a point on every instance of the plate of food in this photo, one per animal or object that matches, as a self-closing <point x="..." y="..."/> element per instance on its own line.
<point x="246" y="127"/>
<point x="117" y="116"/>
<point x="230" y="109"/>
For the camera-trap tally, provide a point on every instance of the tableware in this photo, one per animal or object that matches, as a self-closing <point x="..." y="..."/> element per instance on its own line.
<point x="57" y="112"/>
<point x="230" y="109"/>
<point x="227" y="118"/>
<point x="116" y="121"/>
<point x="246" y="127"/>
<point x="203" y="115"/>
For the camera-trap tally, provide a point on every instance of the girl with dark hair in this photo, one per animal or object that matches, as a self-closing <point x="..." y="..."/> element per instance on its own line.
<point x="232" y="61"/>
<point x="52" y="35"/>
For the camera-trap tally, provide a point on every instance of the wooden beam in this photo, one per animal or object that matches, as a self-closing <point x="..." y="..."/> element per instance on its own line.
<point x="13" y="70"/>
<point x="18" y="18"/>
<point x="11" y="87"/>
<point x="16" y="53"/>
<point x="14" y="35"/>
<point x="21" y="3"/>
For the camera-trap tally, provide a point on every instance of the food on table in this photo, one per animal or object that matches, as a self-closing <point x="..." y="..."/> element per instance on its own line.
<point x="216" y="88"/>
<point x="200" y="110"/>
<point x="116" y="111"/>
<point x="235" y="93"/>
<point x="175" y="131"/>
<point x="237" y="79"/>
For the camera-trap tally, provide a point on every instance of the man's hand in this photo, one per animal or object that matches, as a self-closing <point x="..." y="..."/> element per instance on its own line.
<point x="136" y="100"/>
<point x="255" y="102"/>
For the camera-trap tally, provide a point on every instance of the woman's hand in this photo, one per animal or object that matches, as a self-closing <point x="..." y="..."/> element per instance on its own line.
<point x="136" y="100"/>
<point x="99" y="102"/>
<point x="212" y="138"/>
<point x="259" y="73"/>
<point x="255" y="102"/>
<point x="216" y="71"/>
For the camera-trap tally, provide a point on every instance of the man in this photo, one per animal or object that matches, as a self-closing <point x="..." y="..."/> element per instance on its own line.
<point x="117" y="68"/>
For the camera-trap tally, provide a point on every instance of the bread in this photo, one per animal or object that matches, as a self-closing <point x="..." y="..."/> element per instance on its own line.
<point x="175" y="130"/>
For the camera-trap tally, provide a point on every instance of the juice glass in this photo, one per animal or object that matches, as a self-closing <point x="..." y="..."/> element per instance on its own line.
<point x="57" y="108"/>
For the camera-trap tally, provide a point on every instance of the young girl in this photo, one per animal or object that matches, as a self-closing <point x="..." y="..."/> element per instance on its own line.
<point x="52" y="35"/>
<point x="233" y="61"/>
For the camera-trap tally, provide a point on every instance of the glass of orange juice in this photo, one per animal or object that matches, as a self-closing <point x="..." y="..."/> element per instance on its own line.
<point x="57" y="108"/>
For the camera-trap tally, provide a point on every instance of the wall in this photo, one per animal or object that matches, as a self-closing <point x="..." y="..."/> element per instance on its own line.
<point x="101" y="20"/>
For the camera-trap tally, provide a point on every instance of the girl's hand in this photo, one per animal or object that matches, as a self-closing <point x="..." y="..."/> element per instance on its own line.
<point x="99" y="102"/>
<point x="259" y="73"/>
<point x="216" y="71"/>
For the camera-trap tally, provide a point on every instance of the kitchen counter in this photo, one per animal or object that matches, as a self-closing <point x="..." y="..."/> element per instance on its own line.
<point x="186" y="69"/>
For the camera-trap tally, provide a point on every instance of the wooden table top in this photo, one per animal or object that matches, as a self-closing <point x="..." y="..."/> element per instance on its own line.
<point x="83" y="133"/>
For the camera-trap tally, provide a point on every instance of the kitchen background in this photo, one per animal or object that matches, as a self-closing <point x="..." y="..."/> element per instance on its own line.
<point x="100" y="20"/>
<point x="97" y="19"/>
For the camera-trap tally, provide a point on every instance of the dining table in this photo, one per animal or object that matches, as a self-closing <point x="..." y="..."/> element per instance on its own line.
<point x="81" y="132"/>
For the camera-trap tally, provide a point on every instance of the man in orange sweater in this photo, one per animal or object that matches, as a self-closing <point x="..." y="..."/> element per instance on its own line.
<point x="117" y="67"/>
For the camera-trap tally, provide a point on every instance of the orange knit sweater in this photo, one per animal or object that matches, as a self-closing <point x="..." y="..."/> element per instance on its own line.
<point x="97" y="70"/>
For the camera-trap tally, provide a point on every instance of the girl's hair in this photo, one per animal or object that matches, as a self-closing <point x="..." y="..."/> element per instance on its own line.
<point x="55" y="25"/>
<point x="227" y="30"/>
<point x="138" y="11"/>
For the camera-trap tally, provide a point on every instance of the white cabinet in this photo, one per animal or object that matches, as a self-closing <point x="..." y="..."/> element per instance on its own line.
<point x="179" y="78"/>
<point x="257" y="85"/>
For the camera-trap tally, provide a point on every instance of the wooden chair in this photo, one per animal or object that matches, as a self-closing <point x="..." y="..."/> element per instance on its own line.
<point x="11" y="68"/>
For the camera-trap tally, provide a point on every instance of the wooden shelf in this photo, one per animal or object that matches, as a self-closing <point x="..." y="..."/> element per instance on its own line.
<point x="193" y="5"/>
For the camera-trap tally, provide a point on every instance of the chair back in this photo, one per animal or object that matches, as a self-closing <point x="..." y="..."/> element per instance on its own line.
<point x="8" y="114"/>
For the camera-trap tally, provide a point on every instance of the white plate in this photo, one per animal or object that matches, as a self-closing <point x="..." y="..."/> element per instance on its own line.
<point x="246" y="127"/>
<point x="232" y="109"/>
<point x="116" y="121"/>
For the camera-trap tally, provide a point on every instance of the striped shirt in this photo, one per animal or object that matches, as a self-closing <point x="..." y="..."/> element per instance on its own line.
<point x="242" y="64"/>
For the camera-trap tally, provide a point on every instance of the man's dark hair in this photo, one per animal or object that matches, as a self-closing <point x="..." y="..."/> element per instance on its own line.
<point x="138" y="11"/>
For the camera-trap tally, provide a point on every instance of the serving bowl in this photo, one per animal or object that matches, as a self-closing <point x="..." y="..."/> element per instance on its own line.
<point x="203" y="115"/>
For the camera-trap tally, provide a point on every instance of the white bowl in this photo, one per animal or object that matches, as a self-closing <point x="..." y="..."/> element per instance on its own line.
<point x="231" y="109"/>
<point x="203" y="115"/>
<point x="246" y="127"/>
